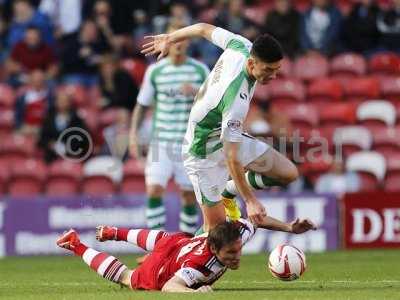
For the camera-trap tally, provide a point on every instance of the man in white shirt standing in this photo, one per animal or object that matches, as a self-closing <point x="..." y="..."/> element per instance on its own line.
<point x="215" y="145"/>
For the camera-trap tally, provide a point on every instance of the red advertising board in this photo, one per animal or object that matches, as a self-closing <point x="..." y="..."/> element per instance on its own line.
<point x="371" y="220"/>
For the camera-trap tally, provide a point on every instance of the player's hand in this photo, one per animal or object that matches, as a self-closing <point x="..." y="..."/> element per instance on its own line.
<point x="301" y="226"/>
<point x="204" y="289"/>
<point x="159" y="44"/>
<point x="256" y="211"/>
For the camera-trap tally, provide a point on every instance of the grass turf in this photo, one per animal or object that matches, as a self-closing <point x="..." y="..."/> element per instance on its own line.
<point x="336" y="275"/>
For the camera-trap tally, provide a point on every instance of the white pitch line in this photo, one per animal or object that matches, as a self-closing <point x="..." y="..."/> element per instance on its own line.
<point x="309" y="281"/>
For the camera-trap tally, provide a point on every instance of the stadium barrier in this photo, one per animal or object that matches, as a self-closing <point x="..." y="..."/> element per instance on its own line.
<point x="371" y="220"/>
<point x="31" y="226"/>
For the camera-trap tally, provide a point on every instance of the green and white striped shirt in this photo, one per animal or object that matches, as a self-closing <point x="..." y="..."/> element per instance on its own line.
<point x="170" y="89"/>
<point x="223" y="100"/>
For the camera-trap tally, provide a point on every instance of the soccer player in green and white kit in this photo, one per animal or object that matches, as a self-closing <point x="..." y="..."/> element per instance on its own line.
<point x="169" y="86"/>
<point x="216" y="146"/>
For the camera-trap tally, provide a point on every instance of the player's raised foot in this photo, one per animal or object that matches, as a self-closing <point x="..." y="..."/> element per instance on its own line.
<point x="231" y="208"/>
<point x="68" y="240"/>
<point x="106" y="233"/>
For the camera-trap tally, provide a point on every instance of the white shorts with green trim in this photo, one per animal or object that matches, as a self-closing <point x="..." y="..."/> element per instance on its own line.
<point x="209" y="176"/>
<point x="164" y="162"/>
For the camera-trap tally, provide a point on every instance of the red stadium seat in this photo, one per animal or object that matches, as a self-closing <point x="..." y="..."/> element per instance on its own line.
<point x="315" y="168"/>
<point x="6" y="121"/>
<point x="286" y="68"/>
<point x="27" y="178"/>
<point x="357" y="90"/>
<point x="133" y="180"/>
<point x="17" y="147"/>
<point x="371" y="167"/>
<point x="391" y="89"/>
<point x="392" y="180"/>
<point x="303" y="117"/>
<point x="98" y="185"/>
<point x="352" y="139"/>
<point x="7" y="96"/>
<point x="64" y="178"/>
<point x="375" y="114"/>
<point x="386" y="141"/>
<point x="337" y="114"/>
<point x="136" y="68"/>
<point x="310" y="67"/>
<point x="4" y="175"/>
<point x="348" y="64"/>
<point x="323" y="90"/>
<point x="387" y="63"/>
<point x="283" y="91"/>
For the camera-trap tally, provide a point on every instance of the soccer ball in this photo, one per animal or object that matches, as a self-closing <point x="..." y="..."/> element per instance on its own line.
<point x="287" y="262"/>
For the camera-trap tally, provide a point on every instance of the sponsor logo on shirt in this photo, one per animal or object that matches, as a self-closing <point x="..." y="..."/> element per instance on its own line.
<point x="243" y="96"/>
<point x="234" y="124"/>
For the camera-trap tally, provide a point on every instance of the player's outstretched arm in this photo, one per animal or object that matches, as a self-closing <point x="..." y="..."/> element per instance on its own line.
<point x="297" y="226"/>
<point x="255" y="210"/>
<point x="159" y="44"/>
<point x="177" y="285"/>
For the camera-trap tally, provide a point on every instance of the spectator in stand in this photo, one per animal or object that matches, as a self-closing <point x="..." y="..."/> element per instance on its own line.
<point x="60" y="117"/>
<point x="338" y="181"/>
<point x="234" y="20"/>
<point x="31" y="106"/>
<point x="24" y="16"/>
<point x="30" y="54"/>
<point x="3" y="36"/>
<point x="320" y="28"/>
<point x="64" y="14"/>
<point x="389" y="27"/>
<point x="142" y="26"/>
<point x="360" y="32"/>
<point x="117" y="86"/>
<point x="283" y="22"/>
<point x="82" y="55"/>
<point x="116" y="136"/>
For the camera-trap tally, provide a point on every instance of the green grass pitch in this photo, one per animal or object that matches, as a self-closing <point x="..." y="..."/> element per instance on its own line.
<point x="338" y="275"/>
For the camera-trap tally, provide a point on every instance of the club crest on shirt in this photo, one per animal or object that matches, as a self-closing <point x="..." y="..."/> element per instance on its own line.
<point x="234" y="124"/>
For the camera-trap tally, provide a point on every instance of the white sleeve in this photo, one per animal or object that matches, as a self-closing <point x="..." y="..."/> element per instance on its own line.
<point x="147" y="90"/>
<point x="247" y="230"/>
<point x="221" y="37"/>
<point x="190" y="276"/>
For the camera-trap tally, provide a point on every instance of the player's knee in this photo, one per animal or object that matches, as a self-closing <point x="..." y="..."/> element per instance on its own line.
<point x="291" y="174"/>
<point x="155" y="190"/>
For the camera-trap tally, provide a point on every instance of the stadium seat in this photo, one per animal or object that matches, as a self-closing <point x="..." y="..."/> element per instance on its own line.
<point x="348" y="65"/>
<point x="98" y="185"/>
<point x="376" y="114"/>
<point x="133" y="180"/>
<point x="7" y="96"/>
<point x="386" y="141"/>
<point x="27" y="178"/>
<point x="284" y="91"/>
<point x="314" y="168"/>
<point x="352" y="139"/>
<point x="392" y="180"/>
<point x="337" y="114"/>
<point x="371" y="167"/>
<point x="6" y="121"/>
<point x="359" y="89"/>
<point x="17" y="147"/>
<point x="303" y="116"/>
<point x="286" y="68"/>
<point x="387" y="63"/>
<point x="323" y="90"/>
<point x="390" y="87"/>
<point x="136" y="68"/>
<point x="104" y="165"/>
<point x="64" y="178"/>
<point x="4" y="175"/>
<point x="310" y="67"/>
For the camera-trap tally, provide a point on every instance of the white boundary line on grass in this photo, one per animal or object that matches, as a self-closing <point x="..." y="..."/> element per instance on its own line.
<point x="310" y="281"/>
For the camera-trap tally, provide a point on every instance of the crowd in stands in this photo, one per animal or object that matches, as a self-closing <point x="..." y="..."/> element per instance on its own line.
<point x="77" y="63"/>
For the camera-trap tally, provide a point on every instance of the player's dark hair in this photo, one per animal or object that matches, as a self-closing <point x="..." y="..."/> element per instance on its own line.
<point x="267" y="48"/>
<point x="223" y="234"/>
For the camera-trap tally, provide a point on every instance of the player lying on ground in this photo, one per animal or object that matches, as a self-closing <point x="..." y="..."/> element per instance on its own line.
<point x="216" y="146"/>
<point x="177" y="262"/>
